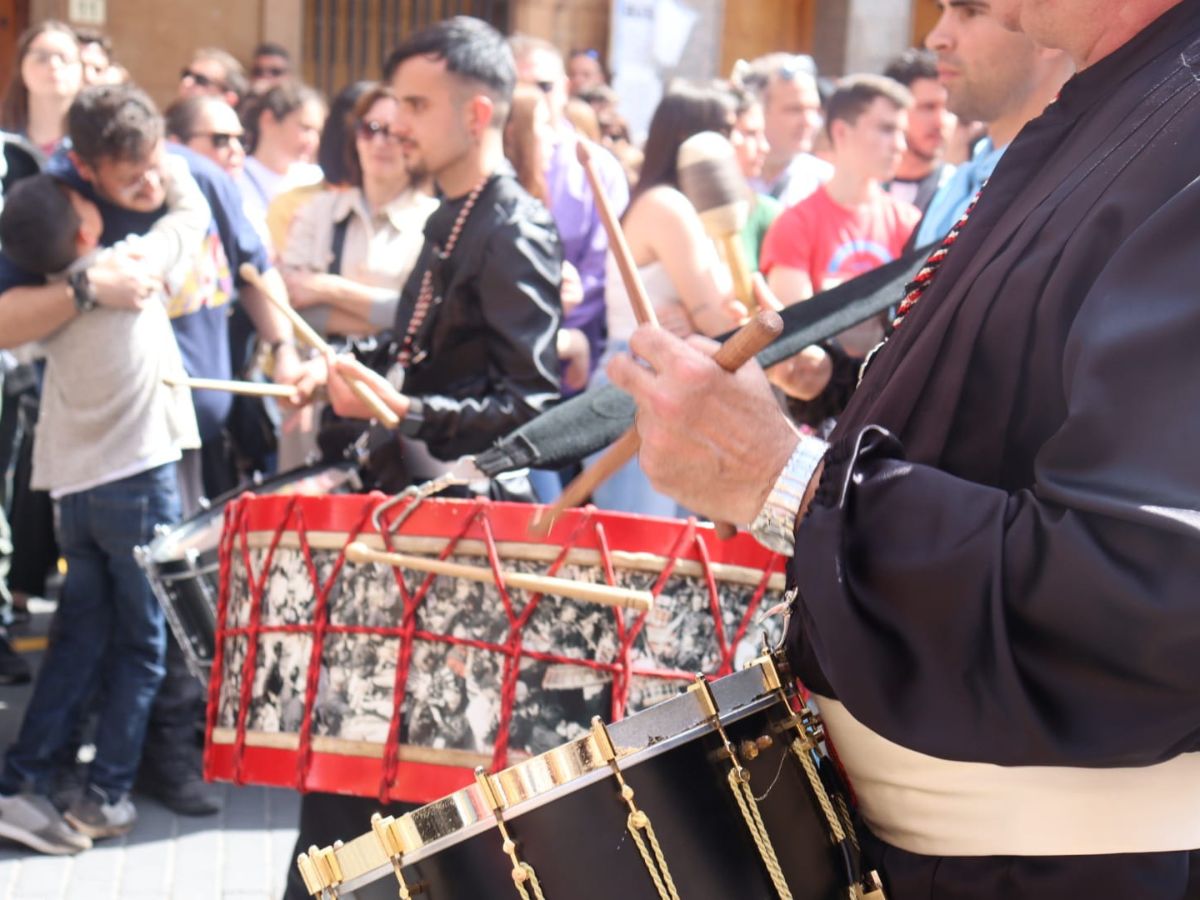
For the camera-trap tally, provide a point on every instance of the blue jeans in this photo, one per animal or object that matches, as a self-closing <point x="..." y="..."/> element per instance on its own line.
<point x="109" y="631"/>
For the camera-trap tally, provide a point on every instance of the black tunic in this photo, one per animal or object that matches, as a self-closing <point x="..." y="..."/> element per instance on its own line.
<point x="1021" y="559"/>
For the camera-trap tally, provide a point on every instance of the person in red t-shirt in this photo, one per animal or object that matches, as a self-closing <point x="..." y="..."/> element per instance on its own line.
<point x="848" y="226"/>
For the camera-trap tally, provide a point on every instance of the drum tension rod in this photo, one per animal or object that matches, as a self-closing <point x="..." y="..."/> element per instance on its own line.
<point x="387" y="832"/>
<point x="321" y="871"/>
<point x="522" y="872"/>
<point x="638" y="824"/>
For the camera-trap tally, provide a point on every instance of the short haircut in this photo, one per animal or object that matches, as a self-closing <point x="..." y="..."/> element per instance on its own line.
<point x="38" y="225"/>
<point x="473" y="51"/>
<point x="87" y="36"/>
<point x="856" y="92"/>
<point x="270" y="48"/>
<point x="280" y="101"/>
<point x="912" y="65"/>
<point x="182" y="115"/>
<point x="235" y="74"/>
<point x="525" y="45"/>
<point x="763" y="72"/>
<point x="118" y="122"/>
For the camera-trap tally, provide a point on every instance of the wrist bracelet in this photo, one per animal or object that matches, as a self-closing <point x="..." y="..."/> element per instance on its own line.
<point x="775" y="525"/>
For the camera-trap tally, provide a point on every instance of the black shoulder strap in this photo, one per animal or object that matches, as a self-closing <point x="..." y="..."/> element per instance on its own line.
<point x="338" y="245"/>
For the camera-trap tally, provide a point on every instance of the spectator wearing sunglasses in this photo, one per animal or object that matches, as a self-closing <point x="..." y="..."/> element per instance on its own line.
<point x="272" y="65"/>
<point x="210" y="127"/>
<point x="792" y="111"/>
<point x="214" y="72"/>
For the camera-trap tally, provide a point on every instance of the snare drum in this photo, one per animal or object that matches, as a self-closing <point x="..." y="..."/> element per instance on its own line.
<point x="717" y="793"/>
<point x="361" y="678"/>
<point x="181" y="563"/>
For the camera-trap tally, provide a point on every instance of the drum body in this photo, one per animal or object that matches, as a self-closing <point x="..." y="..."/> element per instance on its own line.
<point x="369" y="680"/>
<point x="181" y="563"/>
<point x="565" y="813"/>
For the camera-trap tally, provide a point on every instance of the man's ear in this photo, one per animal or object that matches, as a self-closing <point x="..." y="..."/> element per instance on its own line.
<point x="481" y="111"/>
<point x="86" y="172"/>
<point x="837" y="131"/>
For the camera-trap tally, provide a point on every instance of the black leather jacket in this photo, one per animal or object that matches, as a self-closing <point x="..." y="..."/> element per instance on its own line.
<point x="485" y="360"/>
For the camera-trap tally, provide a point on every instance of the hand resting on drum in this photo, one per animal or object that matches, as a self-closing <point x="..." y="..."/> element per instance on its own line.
<point x="346" y="402"/>
<point x="714" y="440"/>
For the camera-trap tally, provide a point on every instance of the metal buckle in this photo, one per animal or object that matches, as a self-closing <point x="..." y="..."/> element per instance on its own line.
<point x="461" y="473"/>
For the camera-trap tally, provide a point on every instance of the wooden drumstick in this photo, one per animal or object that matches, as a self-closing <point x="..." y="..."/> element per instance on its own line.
<point x="742" y="346"/>
<point x="245" y="388"/>
<point x="642" y="310"/>
<point x="604" y="594"/>
<point x="308" y="334"/>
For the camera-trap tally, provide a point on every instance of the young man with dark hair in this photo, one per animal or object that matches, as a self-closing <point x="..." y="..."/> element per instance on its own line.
<point x="109" y="436"/>
<point x="922" y="169"/>
<point x="119" y="170"/>
<point x="272" y="65"/>
<point x="473" y="346"/>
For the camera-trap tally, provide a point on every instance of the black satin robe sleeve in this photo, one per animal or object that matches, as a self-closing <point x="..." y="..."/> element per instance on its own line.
<point x="508" y="372"/>
<point x="1058" y="624"/>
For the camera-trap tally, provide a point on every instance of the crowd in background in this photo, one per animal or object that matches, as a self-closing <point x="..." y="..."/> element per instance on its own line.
<point x="826" y="179"/>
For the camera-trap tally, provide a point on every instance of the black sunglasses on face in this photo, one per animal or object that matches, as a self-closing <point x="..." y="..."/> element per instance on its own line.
<point x="545" y="86"/>
<point x="269" y="71"/>
<point x="201" y="80"/>
<point x="369" y="131"/>
<point x="220" y="140"/>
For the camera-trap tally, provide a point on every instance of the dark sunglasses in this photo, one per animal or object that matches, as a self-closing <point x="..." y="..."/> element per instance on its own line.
<point x="201" y="80"/>
<point x="269" y="71"/>
<point x="220" y="140"/>
<point x="545" y="86"/>
<point x="369" y="131"/>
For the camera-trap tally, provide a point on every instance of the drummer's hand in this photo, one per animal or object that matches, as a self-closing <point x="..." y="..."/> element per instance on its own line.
<point x="286" y="368"/>
<point x="714" y="440"/>
<point x="805" y="375"/>
<point x="347" y="403"/>
<point x="312" y="374"/>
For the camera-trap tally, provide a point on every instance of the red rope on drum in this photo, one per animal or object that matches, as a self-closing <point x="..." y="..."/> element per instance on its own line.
<point x="319" y="628"/>
<point x="714" y="604"/>
<point x="622" y="673"/>
<point x="256" y="584"/>
<point x="234" y="516"/>
<point x="751" y="610"/>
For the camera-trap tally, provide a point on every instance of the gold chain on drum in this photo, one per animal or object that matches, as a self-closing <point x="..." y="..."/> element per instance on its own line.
<point x="522" y="872"/>
<point x="638" y="822"/>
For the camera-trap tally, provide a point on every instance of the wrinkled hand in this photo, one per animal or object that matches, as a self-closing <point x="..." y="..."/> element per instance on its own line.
<point x="343" y="369"/>
<point x="576" y="356"/>
<point x="571" y="290"/>
<point x="122" y="283"/>
<point x="713" y="440"/>
<point x="805" y="375"/>
<point x="307" y="289"/>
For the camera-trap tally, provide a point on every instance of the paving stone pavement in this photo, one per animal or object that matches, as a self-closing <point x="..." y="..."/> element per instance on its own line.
<point x="241" y="854"/>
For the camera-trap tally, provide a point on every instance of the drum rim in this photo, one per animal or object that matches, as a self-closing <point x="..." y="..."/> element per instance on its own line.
<point x="470" y="798"/>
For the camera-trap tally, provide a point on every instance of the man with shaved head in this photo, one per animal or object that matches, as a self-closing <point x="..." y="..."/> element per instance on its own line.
<point x="996" y="557"/>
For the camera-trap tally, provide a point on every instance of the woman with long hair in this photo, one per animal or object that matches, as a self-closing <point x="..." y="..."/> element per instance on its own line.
<point x="688" y="284"/>
<point x="48" y="76"/>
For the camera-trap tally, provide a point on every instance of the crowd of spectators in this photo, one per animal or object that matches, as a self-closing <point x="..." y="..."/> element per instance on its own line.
<point x="835" y="177"/>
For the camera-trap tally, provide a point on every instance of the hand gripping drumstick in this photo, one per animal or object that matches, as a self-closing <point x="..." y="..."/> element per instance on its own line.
<point x="246" y="388"/>
<point x="306" y="333"/>
<point x="742" y="345"/>
<point x="604" y="594"/>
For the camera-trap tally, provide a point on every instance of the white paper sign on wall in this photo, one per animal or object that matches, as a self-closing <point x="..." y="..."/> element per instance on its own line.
<point x="87" y="12"/>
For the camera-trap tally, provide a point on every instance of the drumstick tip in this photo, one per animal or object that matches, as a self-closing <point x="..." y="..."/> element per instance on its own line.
<point x="583" y="153"/>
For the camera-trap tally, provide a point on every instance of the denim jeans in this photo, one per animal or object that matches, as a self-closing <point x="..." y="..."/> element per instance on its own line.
<point x="109" y="630"/>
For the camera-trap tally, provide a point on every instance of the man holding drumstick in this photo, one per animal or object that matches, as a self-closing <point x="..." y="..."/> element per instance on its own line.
<point x="997" y="557"/>
<point x="474" y="343"/>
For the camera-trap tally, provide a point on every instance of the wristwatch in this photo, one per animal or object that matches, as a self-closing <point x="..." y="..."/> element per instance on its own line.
<point x="82" y="291"/>
<point x="775" y="525"/>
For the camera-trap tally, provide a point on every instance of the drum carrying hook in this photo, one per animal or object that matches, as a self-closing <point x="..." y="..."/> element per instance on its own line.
<point x="461" y="473"/>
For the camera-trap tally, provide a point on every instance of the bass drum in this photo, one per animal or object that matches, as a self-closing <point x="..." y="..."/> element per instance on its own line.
<point x="182" y="562"/>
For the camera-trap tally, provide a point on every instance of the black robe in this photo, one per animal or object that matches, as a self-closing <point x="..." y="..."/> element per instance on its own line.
<point x="1013" y="575"/>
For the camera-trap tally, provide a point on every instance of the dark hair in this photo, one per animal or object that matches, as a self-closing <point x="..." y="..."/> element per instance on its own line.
<point x="473" y="51"/>
<point x="912" y="65"/>
<point x="270" y="48"/>
<point x="38" y="225"/>
<point x="280" y="101"/>
<point x="856" y="92"/>
<point x="687" y="109"/>
<point x="16" y="100"/>
<point x="521" y="144"/>
<point x="113" y="121"/>
<point x="235" y="74"/>
<point x="180" y="117"/>
<point x="87" y="36"/>
<point x="337" y="137"/>
<point x="362" y="106"/>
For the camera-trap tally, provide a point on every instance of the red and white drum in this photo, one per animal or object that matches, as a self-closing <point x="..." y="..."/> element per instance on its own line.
<point x="363" y="678"/>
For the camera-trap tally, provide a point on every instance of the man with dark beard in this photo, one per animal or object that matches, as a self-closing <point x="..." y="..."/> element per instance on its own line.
<point x="997" y="556"/>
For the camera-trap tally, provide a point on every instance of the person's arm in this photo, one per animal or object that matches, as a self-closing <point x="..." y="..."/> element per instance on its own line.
<point x="592" y="262"/>
<point x="790" y="284"/>
<point x="665" y="222"/>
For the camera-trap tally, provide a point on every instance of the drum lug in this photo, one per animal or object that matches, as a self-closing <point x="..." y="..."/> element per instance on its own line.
<point x="522" y="872"/>
<point x="321" y="871"/>
<point x="387" y="832"/>
<point x="750" y="750"/>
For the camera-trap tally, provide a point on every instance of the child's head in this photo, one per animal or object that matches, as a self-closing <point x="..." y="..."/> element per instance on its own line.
<point x="45" y="225"/>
